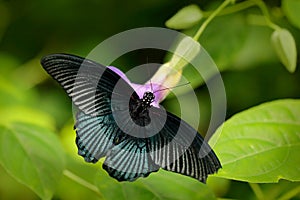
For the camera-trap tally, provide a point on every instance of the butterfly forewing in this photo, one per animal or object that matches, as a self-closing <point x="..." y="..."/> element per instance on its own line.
<point x="89" y="84"/>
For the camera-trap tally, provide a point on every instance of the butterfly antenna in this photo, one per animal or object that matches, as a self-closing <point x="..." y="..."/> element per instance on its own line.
<point x="149" y="76"/>
<point x="169" y="88"/>
<point x="151" y="85"/>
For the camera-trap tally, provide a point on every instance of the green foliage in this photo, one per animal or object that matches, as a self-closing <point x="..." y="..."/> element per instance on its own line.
<point x="231" y="28"/>
<point x="151" y="188"/>
<point x="291" y="9"/>
<point x="265" y="137"/>
<point x="285" y="47"/>
<point x="185" y="18"/>
<point x="32" y="155"/>
<point x="258" y="145"/>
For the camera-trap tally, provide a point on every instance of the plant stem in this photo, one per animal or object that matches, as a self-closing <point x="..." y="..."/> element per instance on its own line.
<point x="82" y="182"/>
<point x="221" y="10"/>
<point x="290" y="194"/>
<point x="233" y="9"/>
<point x="210" y="18"/>
<point x="262" y="6"/>
<point x="257" y="191"/>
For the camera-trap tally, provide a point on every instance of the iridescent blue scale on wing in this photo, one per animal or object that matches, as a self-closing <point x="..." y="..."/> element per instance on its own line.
<point x="95" y="135"/>
<point x="129" y="160"/>
<point x="98" y="135"/>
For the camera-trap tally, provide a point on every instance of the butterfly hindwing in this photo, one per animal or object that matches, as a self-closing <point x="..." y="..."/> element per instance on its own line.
<point x="129" y="159"/>
<point x="95" y="135"/>
<point x="180" y="148"/>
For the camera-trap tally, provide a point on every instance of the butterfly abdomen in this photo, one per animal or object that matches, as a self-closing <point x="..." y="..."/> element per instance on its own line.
<point x="139" y="113"/>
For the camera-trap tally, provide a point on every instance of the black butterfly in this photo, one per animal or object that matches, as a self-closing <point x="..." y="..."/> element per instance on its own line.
<point x="113" y="121"/>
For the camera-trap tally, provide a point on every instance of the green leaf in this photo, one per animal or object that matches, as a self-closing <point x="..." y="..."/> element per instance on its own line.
<point x="261" y="144"/>
<point x="169" y="185"/>
<point x="78" y="177"/>
<point x="159" y="185"/>
<point x="33" y="156"/>
<point x="291" y="9"/>
<point x="9" y="93"/>
<point x="220" y="186"/>
<point x="185" y="17"/>
<point x="285" y="48"/>
<point x="27" y="115"/>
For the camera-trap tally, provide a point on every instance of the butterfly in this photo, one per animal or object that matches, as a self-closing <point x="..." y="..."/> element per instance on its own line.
<point x="114" y="122"/>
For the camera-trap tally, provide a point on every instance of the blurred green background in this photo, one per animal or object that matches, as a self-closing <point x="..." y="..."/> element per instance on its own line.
<point x="29" y="29"/>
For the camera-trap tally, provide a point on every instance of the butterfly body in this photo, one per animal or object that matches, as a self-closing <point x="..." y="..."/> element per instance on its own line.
<point x="112" y="121"/>
<point x="139" y="109"/>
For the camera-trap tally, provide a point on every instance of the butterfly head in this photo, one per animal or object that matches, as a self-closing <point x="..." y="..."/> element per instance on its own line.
<point x="148" y="98"/>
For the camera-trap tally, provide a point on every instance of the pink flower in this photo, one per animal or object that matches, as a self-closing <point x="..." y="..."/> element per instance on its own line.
<point x="159" y="91"/>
